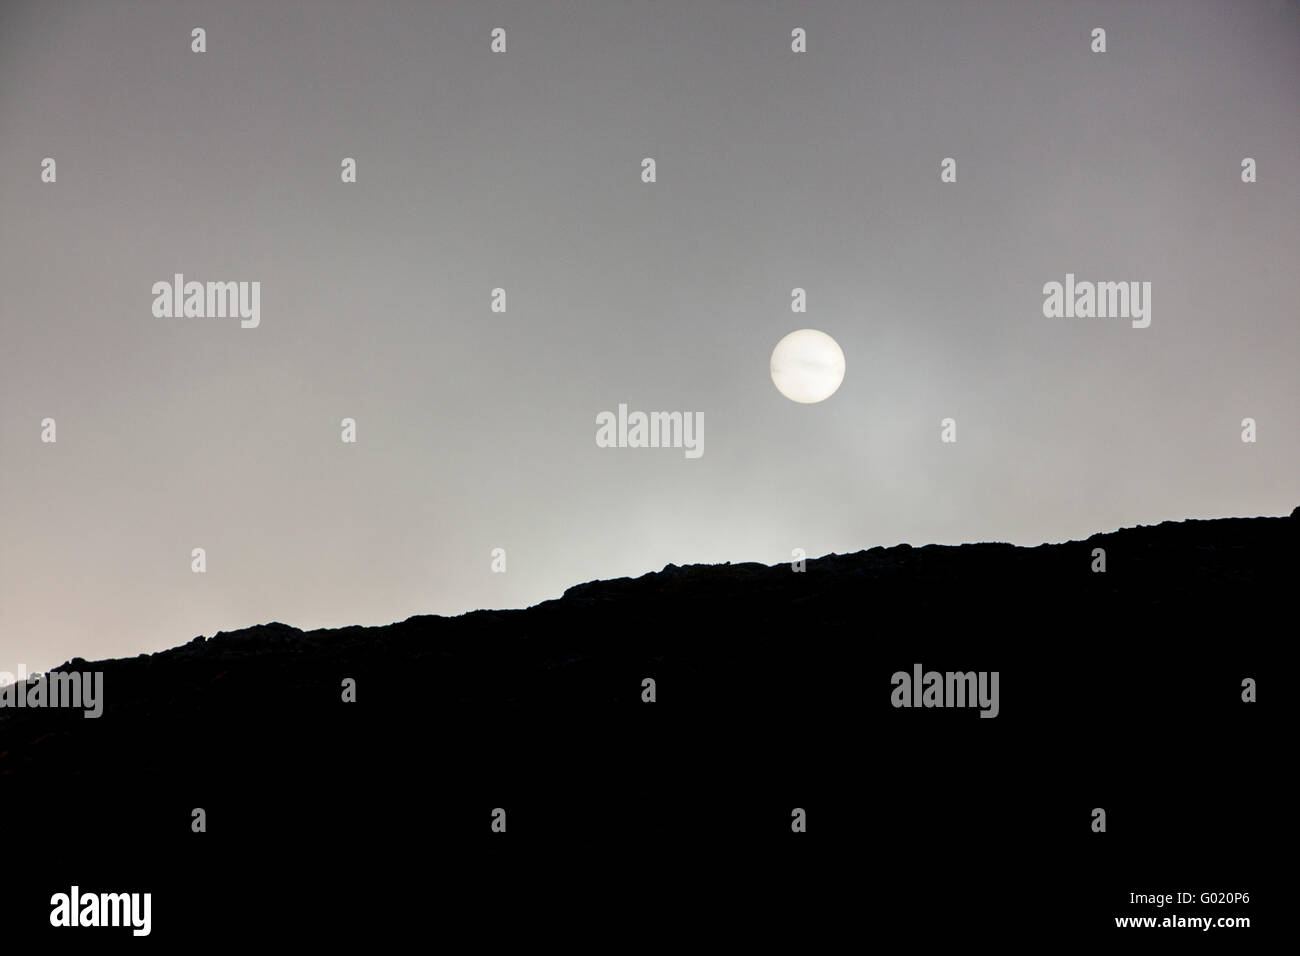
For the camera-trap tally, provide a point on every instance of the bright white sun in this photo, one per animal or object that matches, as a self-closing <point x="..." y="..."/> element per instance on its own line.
<point x="807" y="366"/>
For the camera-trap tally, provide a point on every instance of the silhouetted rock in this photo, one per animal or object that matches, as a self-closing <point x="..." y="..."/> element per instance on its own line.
<point x="710" y="634"/>
<point x="773" y="688"/>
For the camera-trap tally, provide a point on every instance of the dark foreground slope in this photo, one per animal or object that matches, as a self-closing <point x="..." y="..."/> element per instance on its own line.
<point x="1119" y="690"/>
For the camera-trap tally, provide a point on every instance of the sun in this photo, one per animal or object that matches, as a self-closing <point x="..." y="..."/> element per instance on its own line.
<point x="807" y="366"/>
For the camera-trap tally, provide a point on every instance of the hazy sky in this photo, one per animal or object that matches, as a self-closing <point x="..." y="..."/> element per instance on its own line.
<point x="522" y="170"/>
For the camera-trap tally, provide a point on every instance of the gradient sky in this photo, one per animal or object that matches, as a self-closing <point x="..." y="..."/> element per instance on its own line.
<point x="522" y="170"/>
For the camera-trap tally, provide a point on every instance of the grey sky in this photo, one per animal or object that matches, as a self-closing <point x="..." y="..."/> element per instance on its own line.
<point x="522" y="170"/>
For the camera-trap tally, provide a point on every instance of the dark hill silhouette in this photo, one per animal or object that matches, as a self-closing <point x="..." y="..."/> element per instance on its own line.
<point x="773" y="692"/>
